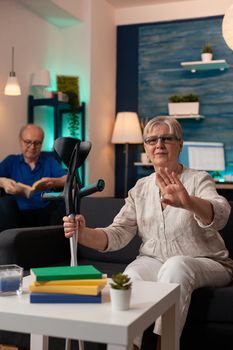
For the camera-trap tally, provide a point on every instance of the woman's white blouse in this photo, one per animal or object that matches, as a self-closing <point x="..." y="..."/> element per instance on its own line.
<point x="172" y="231"/>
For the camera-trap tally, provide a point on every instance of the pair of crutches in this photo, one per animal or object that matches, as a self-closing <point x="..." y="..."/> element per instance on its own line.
<point x="73" y="153"/>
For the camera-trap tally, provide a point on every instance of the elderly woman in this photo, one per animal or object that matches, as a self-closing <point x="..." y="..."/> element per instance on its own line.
<point x="177" y="212"/>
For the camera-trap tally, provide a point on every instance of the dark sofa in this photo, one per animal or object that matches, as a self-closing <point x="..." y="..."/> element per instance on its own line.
<point x="209" y="324"/>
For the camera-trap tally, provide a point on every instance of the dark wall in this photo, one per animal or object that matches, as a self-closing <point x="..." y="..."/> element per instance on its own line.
<point x="126" y="97"/>
<point x="149" y="71"/>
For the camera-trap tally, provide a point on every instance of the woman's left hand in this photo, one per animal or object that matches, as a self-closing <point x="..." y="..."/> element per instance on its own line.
<point x="171" y="189"/>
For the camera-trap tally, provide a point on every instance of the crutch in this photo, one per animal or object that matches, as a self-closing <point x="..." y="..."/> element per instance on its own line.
<point x="73" y="153"/>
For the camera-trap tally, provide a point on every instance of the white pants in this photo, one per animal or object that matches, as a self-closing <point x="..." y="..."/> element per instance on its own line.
<point x="190" y="273"/>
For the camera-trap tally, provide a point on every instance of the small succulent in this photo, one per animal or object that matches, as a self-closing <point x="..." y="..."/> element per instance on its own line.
<point x="207" y="48"/>
<point x="121" y="281"/>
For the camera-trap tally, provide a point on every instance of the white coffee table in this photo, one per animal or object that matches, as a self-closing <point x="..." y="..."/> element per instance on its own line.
<point x="95" y="322"/>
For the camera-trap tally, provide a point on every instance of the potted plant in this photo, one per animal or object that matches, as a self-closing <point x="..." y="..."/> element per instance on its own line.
<point x="183" y="104"/>
<point x="207" y="53"/>
<point x="73" y="125"/>
<point x="120" y="291"/>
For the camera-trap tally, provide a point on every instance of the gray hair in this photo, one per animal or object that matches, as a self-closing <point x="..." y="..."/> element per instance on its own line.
<point x="171" y="122"/>
<point x="29" y="126"/>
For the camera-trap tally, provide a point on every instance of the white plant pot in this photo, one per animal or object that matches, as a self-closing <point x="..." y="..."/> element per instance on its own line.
<point x="120" y="299"/>
<point x="183" y="108"/>
<point x="144" y="158"/>
<point x="206" y="57"/>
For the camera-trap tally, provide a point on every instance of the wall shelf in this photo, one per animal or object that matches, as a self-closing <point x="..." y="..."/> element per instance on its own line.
<point x="143" y="164"/>
<point x="200" y="65"/>
<point x="179" y="116"/>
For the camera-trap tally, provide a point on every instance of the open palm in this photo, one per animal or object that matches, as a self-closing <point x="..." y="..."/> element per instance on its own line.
<point x="171" y="188"/>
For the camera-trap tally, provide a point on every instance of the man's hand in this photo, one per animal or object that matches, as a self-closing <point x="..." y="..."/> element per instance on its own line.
<point x="45" y="183"/>
<point x="9" y="186"/>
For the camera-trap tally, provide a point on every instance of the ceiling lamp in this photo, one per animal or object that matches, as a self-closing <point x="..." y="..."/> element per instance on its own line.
<point x="12" y="87"/>
<point x="227" y="27"/>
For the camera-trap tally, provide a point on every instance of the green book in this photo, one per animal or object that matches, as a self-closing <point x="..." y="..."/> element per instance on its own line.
<point x="65" y="273"/>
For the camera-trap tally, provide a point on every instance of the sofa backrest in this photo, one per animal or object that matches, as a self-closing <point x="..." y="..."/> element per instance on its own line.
<point x="100" y="212"/>
<point x="227" y="232"/>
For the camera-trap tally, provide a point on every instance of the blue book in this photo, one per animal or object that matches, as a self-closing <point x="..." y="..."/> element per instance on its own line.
<point x="64" y="298"/>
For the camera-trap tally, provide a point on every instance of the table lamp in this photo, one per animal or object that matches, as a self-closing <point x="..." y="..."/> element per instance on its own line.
<point x="40" y="81"/>
<point x="127" y="130"/>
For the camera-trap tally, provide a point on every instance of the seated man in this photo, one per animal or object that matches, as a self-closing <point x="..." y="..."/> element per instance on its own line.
<point x="16" y="210"/>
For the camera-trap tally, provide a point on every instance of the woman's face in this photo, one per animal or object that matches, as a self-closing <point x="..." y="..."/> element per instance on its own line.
<point x="163" y="152"/>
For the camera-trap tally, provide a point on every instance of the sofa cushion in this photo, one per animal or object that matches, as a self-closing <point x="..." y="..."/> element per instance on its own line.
<point x="27" y="248"/>
<point x="211" y="304"/>
<point x="122" y="256"/>
<point x="9" y="213"/>
<point x="100" y="212"/>
<point x="97" y="215"/>
<point x="103" y="266"/>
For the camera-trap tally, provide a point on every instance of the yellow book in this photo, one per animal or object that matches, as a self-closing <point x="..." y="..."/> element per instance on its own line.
<point x="69" y="289"/>
<point x="88" y="282"/>
<point x="27" y="190"/>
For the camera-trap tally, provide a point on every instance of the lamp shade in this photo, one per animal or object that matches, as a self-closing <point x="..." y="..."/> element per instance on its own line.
<point x="41" y="78"/>
<point x="127" y="128"/>
<point x="227" y="27"/>
<point x="12" y="87"/>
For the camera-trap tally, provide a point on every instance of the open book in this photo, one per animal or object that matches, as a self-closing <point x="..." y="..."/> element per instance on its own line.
<point x="27" y="190"/>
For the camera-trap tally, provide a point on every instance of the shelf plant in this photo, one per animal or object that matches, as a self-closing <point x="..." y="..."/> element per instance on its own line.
<point x="207" y="53"/>
<point x="183" y="104"/>
<point x="183" y="98"/>
<point x="74" y="122"/>
<point x="207" y="48"/>
<point x="69" y="85"/>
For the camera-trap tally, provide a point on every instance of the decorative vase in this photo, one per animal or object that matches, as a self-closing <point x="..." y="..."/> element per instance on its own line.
<point x="120" y="299"/>
<point x="206" y="57"/>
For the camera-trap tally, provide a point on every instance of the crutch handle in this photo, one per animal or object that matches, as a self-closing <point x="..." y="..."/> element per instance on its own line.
<point x="73" y="246"/>
<point x="52" y="196"/>
<point x="97" y="186"/>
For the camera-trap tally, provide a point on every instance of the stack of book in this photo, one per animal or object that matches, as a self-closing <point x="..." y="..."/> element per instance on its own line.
<point x="67" y="284"/>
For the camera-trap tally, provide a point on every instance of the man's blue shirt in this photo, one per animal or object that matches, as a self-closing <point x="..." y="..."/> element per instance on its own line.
<point x="14" y="167"/>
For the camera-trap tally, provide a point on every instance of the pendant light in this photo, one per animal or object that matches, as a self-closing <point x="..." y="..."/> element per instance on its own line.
<point x="12" y="87"/>
<point x="227" y="26"/>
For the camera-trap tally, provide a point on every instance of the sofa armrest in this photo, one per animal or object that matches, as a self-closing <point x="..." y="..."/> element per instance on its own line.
<point x="34" y="246"/>
<point x="226" y="232"/>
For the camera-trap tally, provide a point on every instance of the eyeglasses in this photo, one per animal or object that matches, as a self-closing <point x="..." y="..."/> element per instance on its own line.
<point x="29" y="143"/>
<point x="167" y="139"/>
